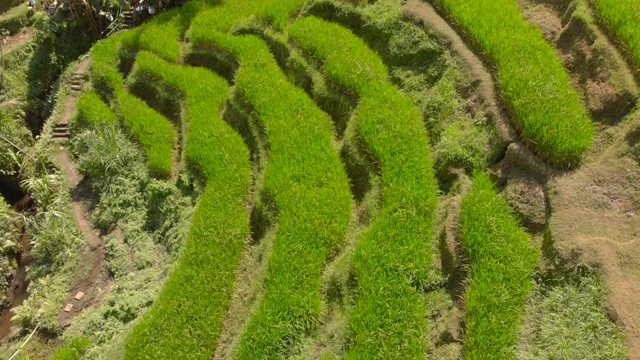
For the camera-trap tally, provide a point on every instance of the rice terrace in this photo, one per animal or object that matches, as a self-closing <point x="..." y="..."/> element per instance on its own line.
<point x="320" y="179"/>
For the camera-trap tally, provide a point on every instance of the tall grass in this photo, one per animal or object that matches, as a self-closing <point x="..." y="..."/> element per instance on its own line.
<point x="621" y="16"/>
<point x="502" y="261"/>
<point x="307" y="184"/>
<point x="547" y="110"/>
<point x="185" y="321"/>
<point x="393" y="263"/>
<point x="152" y="130"/>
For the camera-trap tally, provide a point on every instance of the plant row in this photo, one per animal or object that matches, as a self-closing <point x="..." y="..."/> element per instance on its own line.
<point x="621" y="16"/>
<point x="536" y="87"/>
<point x="306" y="182"/>
<point x="230" y="12"/>
<point x="92" y="112"/>
<point x="185" y="320"/>
<point x="393" y="262"/>
<point x="501" y="264"/>
<point x="154" y="132"/>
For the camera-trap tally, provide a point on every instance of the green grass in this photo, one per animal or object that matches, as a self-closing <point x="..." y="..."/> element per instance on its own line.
<point x="393" y="263"/>
<point x="224" y="17"/>
<point x="16" y="18"/>
<point x="152" y="130"/>
<point x="305" y="180"/>
<point x="621" y="16"/>
<point x="185" y="321"/>
<point x="73" y="349"/>
<point x="501" y="264"/>
<point x="105" y="75"/>
<point x="92" y="112"/>
<point x="547" y="110"/>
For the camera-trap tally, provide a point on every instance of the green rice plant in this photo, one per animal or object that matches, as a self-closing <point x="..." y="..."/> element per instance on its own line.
<point x="152" y="130"/>
<point x="501" y="264"/>
<point x="393" y="262"/>
<point x="536" y="87"/>
<point x="621" y="17"/>
<point x="224" y="17"/>
<point x="161" y="36"/>
<point x="185" y="320"/>
<point x="92" y="112"/>
<point x="306" y="182"/>
<point x="105" y="75"/>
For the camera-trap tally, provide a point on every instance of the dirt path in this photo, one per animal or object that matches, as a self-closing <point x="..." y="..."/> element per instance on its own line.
<point x="596" y="221"/>
<point x="469" y="63"/>
<point x="15" y="41"/>
<point x="94" y="253"/>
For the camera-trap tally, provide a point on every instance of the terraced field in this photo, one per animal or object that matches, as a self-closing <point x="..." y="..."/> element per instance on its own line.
<point x="361" y="193"/>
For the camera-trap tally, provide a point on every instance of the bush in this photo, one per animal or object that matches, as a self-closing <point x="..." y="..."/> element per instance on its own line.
<point x="393" y="263"/>
<point x="501" y="265"/>
<point x="547" y="110"/>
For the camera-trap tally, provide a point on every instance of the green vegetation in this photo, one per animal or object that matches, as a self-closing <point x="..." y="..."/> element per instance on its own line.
<point x="73" y="349"/>
<point x="154" y="131"/>
<point x="185" y="320"/>
<point x="566" y="319"/>
<point x="501" y="264"/>
<point x="535" y="85"/>
<point x="621" y="16"/>
<point x="16" y="18"/>
<point x="225" y="16"/>
<point x="92" y="112"/>
<point x="305" y="180"/>
<point x="9" y="238"/>
<point x="389" y="318"/>
<point x="104" y="67"/>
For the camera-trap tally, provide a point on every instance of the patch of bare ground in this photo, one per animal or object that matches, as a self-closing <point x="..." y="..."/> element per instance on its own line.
<point x="598" y="71"/>
<point x="15" y="41"/>
<point x="93" y="279"/>
<point x="595" y="221"/>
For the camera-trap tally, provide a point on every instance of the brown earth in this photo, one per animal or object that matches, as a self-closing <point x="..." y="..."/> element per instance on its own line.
<point x="97" y="283"/>
<point x="15" y="41"/>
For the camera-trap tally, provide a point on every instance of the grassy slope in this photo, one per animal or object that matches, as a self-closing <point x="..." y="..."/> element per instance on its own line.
<point x="309" y="187"/>
<point x="393" y="263"/>
<point x="185" y="320"/>
<point x="536" y="87"/>
<point x="502" y="261"/>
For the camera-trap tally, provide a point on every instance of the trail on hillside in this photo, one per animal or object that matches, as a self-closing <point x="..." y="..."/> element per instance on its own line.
<point x="15" y="41"/>
<point x="94" y="253"/>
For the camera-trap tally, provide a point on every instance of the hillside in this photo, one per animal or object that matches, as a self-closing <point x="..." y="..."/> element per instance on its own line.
<point x="325" y="179"/>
